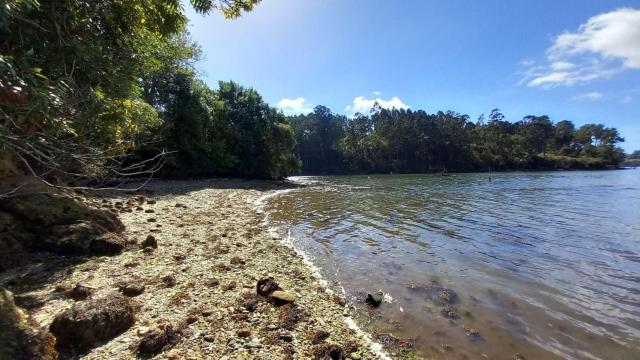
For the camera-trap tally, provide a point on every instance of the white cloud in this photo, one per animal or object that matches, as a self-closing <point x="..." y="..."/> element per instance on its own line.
<point x="364" y="105"/>
<point x="376" y="93"/>
<point x="295" y="106"/>
<point x="605" y="45"/>
<point x="590" y="96"/>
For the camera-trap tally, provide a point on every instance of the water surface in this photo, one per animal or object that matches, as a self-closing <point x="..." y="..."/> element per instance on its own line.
<point x="545" y="265"/>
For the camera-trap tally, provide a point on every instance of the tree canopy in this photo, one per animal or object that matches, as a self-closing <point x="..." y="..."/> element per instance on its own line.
<point x="411" y="141"/>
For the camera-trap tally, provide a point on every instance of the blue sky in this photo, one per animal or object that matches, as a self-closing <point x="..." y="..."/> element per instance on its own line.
<point x="576" y="60"/>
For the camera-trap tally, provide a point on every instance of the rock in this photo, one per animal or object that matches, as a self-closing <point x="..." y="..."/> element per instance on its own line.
<point x="150" y="241"/>
<point x="169" y="280"/>
<point x="153" y="342"/>
<point x="174" y="354"/>
<point x="230" y="286"/>
<point x="285" y="336"/>
<point x="236" y="260"/>
<point x="518" y="356"/>
<point x="79" y="292"/>
<point x="108" y="244"/>
<point x="132" y="289"/>
<point x="243" y="333"/>
<point x="19" y="339"/>
<point x="151" y="202"/>
<point x="447" y="295"/>
<point x="139" y="208"/>
<point x="282" y="297"/>
<point x="46" y="207"/>
<point x="449" y="312"/>
<point x="149" y="211"/>
<point x="319" y="336"/>
<point x="157" y="339"/>
<point x="328" y="351"/>
<point x="209" y="338"/>
<point x="148" y="250"/>
<point x="89" y="322"/>
<point x="151" y="220"/>
<point x="375" y="299"/>
<point x="266" y="286"/>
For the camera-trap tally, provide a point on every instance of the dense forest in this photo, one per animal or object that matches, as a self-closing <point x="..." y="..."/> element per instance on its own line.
<point x="410" y="141"/>
<point x="94" y="90"/>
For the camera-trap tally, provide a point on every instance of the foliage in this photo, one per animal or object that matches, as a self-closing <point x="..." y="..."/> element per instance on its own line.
<point x="410" y="141"/>
<point x="114" y="81"/>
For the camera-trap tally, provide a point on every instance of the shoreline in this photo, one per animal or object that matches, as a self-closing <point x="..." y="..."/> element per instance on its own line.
<point x="214" y="243"/>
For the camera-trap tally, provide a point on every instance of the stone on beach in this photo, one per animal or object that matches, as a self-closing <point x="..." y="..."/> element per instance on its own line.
<point x="283" y="297"/>
<point x="375" y="299"/>
<point x="89" y="322"/>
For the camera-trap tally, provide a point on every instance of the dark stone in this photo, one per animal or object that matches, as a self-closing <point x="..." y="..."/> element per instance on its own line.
<point x="375" y="299"/>
<point x="266" y="286"/>
<point x="319" y="336"/>
<point x="132" y="289"/>
<point x="79" y="292"/>
<point x="107" y="244"/>
<point x="150" y="241"/>
<point x="90" y="322"/>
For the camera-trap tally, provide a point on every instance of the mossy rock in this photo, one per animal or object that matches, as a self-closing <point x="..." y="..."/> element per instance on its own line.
<point x="19" y="338"/>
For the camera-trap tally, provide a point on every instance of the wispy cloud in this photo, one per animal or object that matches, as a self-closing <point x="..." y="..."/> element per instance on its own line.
<point x="605" y="45"/>
<point x="364" y="105"/>
<point x="627" y="99"/>
<point x="295" y="106"/>
<point x="590" y="96"/>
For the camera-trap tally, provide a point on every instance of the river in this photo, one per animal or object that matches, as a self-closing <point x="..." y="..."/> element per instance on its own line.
<point x="538" y="265"/>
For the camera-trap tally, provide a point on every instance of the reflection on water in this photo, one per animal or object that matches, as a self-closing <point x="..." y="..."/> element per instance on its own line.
<point x="546" y="265"/>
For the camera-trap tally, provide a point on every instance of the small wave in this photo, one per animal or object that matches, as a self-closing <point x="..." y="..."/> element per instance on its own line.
<point x="260" y="205"/>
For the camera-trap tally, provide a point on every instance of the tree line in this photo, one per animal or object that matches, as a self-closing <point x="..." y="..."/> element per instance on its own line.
<point x="92" y="90"/>
<point x="408" y="141"/>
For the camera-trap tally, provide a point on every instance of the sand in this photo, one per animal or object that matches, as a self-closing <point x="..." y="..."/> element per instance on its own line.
<point x="213" y="247"/>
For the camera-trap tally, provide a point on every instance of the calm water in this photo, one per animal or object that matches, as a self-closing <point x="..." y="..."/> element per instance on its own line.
<point x="546" y="265"/>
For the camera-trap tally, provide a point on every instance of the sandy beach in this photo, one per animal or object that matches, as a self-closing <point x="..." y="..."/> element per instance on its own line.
<point x="212" y="249"/>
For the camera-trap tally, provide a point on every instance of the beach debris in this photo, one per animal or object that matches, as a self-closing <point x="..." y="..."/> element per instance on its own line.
<point x="150" y="241"/>
<point x="89" y="322"/>
<point x="289" y="316"/>
<point x="318" y="336"/>
<point x="375" y="299"/>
